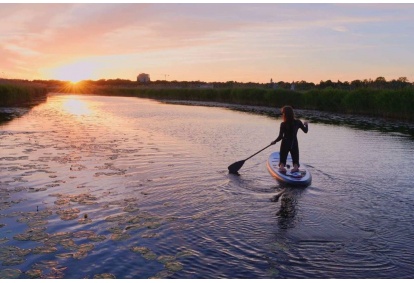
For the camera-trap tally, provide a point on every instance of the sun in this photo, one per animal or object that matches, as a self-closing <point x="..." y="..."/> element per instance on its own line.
<point x="75" y="72"/>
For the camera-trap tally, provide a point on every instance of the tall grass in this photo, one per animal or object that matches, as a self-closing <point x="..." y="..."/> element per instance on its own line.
<point x="21" y="94"/>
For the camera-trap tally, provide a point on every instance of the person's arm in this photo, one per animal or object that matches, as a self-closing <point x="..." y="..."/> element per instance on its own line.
<point x="280" y="137"/>
<point x="303" y="126"/>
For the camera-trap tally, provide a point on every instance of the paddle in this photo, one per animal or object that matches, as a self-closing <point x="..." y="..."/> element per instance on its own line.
<point x="237" y="165"/>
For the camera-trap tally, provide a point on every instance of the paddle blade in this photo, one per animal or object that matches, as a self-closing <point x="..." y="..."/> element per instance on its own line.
<point x="235" y="166"/>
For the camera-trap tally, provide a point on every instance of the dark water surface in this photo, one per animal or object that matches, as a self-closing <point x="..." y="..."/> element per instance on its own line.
<point x="96" y="186"/>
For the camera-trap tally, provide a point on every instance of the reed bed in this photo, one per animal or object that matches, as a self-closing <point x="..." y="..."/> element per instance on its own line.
<point x="12" y="94"/>
<point x="396" y="104"/>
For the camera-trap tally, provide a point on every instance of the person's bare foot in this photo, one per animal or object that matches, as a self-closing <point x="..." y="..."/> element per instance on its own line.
<point x="295" y="169"/>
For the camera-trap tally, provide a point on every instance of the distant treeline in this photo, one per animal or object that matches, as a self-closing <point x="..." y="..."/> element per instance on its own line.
<point x="378" y="83"/>
<point x="21" y="93"/>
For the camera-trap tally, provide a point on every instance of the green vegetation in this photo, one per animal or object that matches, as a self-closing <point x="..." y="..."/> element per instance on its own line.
<point x="19" y="94"/>
<point x="377" y="98"/>
<point x="375" y="102"/>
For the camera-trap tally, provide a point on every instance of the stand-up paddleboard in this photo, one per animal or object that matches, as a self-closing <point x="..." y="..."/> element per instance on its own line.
<point x="301" y="178"/>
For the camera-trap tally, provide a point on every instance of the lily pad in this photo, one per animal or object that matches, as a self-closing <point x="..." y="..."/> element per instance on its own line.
<point x="80" y="255"/>
<point x="174" y="266"/>
<point x="131" y="208"/>
<point x="152" y="225"/>
<point x="104" y="276"/>
<point x="186" y="253"/>
<point x="166" y="258"/>
<point x="120" y="236"/>
<point x="35" y="234"/>
<point x="141" y="250"/>
<point x="149" y="256"/>
<point x="44" y="250"/>
<point x="86" y="247"/>
<point x="97" y="238"/>
<point x="10" y="273"/>
<point x="83" y="234"/>
<point x="13" y="261"/>
<point x="145" y="252"/>
<point x="115" y="218"/>
<point x="68" y="244"/>
<point x="65" y="255"/>
<point x="34" y="273"/>
<point x="85" y="221"/>
<point x="67" y="217"/>
<point x="163" y="274"/>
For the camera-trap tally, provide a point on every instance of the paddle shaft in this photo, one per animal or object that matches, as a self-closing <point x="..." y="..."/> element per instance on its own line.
<point x="257" y="152"/>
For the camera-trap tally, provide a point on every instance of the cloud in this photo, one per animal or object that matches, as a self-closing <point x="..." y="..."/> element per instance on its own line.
<point x="21" y="50"/>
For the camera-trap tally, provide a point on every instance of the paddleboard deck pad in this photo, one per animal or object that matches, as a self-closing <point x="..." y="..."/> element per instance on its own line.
<point x="301" y="178"/>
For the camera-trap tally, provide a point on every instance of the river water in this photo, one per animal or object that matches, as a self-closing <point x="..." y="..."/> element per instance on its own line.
<point x="116" y="187"/>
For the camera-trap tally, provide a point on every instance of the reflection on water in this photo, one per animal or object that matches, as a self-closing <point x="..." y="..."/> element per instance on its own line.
<point x="76" y="106"/>
<point x="106" y="187"/>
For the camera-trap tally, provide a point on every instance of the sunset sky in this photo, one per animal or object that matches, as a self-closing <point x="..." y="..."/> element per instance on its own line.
<point x="207" y="42"/>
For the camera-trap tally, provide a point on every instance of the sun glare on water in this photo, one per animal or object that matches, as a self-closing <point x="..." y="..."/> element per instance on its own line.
<point x="76" y="107"/>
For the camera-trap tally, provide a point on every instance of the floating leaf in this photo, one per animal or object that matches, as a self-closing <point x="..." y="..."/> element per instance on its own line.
<point x="83" y="234"/>
<point x="152" y="225"/>
<point x="35" y="234"/>
<point x="68" y="244"/>
<point x="186" y="253"/>
<point x="149" y="256"/>
<point x="13" y="261"/>
<point x="67" y="217"/>
<point x="22" y="237"/>
<point x="141" y="250"/>
<point x="116" y="230"/>
<point x="165" y="258"/>
<point x="115" y="218"/>
<point x="10" y="273"/>
<point x="145" y="252"/>
<point x="68" y="211"/>
<point x="131" y="208"/>
<point x="86" y="247"/>
<point x="162" y="274"/>
<point x="273" y="272"/>
<point x="65" y="255"/>
<point x="34" y="273"/>
<point x="60" y="236"/>
<point x="97" y="238"/>
<point x="150" y="235"/>
<point x="174" y="266"/>
<point x="62" y="201"/>
<point x="120" y="236"/>
<point x="44" y="250"/>
<point x="80" y="255"/>
<point x="104" y="276"/>
<point x="38" y="223"/>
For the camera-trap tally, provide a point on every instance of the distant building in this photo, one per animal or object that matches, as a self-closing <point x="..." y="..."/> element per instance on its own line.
<point x="143" y="78"/>
<point x="273" y="84"/>
<point x="292" y="86"/>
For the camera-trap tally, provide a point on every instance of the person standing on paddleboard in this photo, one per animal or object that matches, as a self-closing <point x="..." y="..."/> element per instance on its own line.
<point x="288" y="135"/>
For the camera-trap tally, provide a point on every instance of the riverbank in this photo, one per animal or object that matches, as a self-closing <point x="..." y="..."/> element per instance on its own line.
<point x="314" y="116"/>
<point x="17" y="99"/>
<point x="389" y="104"/>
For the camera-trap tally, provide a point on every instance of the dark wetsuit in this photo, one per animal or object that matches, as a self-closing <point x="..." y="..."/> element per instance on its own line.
<point x="288" y="135"/>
